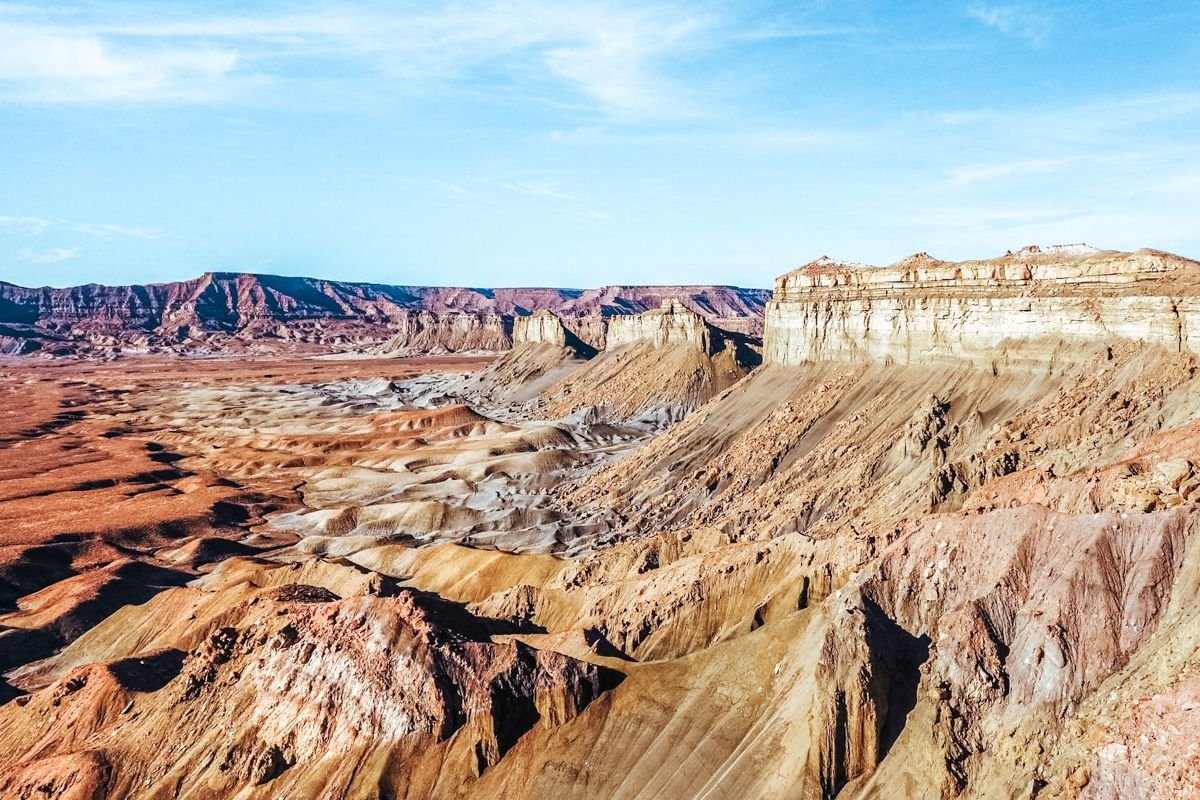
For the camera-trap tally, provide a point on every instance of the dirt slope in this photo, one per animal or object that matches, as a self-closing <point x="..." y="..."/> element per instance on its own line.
<point x="869" y="571"/>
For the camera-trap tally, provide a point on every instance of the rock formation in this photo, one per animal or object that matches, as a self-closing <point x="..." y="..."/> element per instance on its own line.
<point x="232" y="312"/>
<point x="670" y="323"/>
<point x="546" y="327"/>
<point x="413" y="673"/>
<point x="921" y="310"/>
<point x="914" y="561"/>
<point x="416" y="332"/>
<point x="662" y="363"/>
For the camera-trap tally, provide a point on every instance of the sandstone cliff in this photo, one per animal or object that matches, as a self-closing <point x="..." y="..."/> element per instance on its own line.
<point x="543" y="352"/>
<point x="546" y="327"/>
<point x="922" y="310"/>
<point x="671" y="323"/>
<point x="418" y="332"/>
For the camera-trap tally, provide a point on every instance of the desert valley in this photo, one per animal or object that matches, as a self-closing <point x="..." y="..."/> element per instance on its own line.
<point x="929" y="530"/>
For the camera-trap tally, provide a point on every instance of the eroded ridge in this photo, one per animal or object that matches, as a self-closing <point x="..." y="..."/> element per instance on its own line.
<point x="916" y="572"/>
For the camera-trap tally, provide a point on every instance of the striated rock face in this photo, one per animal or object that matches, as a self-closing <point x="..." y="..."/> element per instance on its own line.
<point x="235" y="311"/>
<point x="426" y="332"/>
<point x="671" y="323"/>
<point x="713" y="302"/>
<point x="586" y="334"/>
<point x="542" y="327"/>
<point x="921" y="310"/>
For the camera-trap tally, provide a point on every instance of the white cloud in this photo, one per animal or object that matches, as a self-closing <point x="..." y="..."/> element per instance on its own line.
<point x="540" y="189"/>
<point x="36" y="226"/>
<point x="610" y="55"/>
<point x="1019" y="21"/>
<point x="969" y="175"/>
<point x="28" y="225"/>
<point x="48" y="64"/>
<point x="52" y="255"/>
<point x="111" y="230"/>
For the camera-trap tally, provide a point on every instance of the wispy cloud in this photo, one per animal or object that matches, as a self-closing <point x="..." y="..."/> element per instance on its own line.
<point x="51" y="255"/>
<point x="1014" y="20"/>
<point x="576" y="206"/>
<point x="970" y="175"/>
<point x="111" y="231"/>
<point x="1110" y="120"/>
<point x="452" y="188"/>
<point x="49" y="64"/>
<point x="610" y="55"/>
<point x="34" y="226"/>
<point x="540" y="189"/>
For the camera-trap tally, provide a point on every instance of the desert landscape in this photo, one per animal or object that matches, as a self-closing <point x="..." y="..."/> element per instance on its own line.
<point x="928" y="530"/>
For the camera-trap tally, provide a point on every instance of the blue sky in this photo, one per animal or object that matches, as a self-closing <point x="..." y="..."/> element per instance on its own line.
<point x="579" y="144"/>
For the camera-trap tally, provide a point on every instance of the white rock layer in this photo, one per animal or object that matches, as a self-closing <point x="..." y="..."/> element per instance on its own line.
<point x="922" y="310"/>
<point x="542" y="327"/>
<point x="672" y="323"/>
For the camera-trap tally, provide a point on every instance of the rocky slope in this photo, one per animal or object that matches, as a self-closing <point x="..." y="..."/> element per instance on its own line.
<point x="417" y="672"/>
<point x="236" y="311"/>
<point x="867" y="569"/>
<point x="544" y="352"/>
<point x="662" y="363"/>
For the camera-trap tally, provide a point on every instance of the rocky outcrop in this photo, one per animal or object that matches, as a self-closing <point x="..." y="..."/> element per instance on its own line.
<point x="220" y="312"/>
<point x="541" y="327"/>
<point x="545" y="327"/>
<point x="921" y="310"/>
<point x="670" y="323"/>
<point x="412" y="672"/>
<point x="660" y="364"/>
<point x="426" y="332"/>
<point x="712" y="302"/>
<point x="732" y="309"/>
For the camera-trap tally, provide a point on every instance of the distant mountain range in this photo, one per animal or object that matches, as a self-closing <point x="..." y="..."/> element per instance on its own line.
<point x="242" y="312"/>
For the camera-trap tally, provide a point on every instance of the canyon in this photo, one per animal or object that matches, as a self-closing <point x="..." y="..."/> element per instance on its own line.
<point x="928" y="530"/>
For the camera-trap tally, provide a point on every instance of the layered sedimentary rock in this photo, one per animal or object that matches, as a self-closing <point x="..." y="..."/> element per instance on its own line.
<point x="541" y="327"/>
<point x="426" y="332"/>
<point x="921" y="310"/>
<point x="413" y="672"/>
<point x="851" y="576"/>
<point x="231" y="312"/>
<point x="670" y="323"/>
<point x="995" y="566"/>
<point x="546" y="327"/>
<point x="664" y="363"/>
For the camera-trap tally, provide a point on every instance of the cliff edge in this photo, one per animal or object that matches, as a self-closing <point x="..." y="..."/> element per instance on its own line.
<point x="923" y="310"/>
